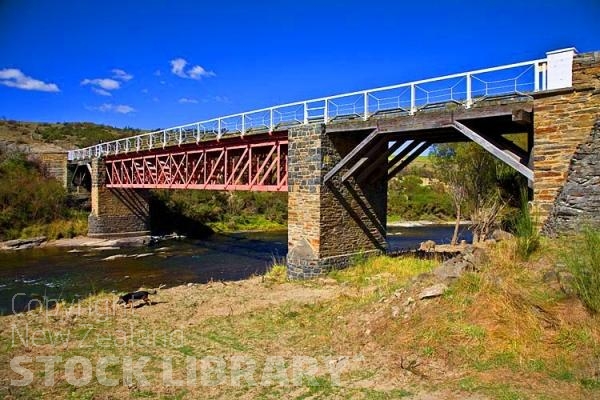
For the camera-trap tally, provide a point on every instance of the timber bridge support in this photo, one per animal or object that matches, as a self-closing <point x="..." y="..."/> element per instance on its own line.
<point x="335" y="155"/>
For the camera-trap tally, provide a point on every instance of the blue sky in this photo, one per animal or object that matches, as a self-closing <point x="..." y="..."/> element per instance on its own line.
<point x="158" y="63"/>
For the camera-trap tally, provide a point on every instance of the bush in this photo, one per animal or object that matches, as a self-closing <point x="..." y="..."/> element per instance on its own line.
<point x="410" y="199"/>
<point x="582" y="258"/>
<point x="27" y="197"/>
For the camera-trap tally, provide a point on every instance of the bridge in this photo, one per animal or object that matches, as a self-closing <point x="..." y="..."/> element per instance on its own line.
<point x="334" y="155"/>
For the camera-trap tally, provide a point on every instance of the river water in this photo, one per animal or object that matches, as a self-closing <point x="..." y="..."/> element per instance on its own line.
<point x="58" y="273"/>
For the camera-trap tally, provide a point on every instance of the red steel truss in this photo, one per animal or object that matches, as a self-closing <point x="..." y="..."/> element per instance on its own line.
<point x="256" y="163"/>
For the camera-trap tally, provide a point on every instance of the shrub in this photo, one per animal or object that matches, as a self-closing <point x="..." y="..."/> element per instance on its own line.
<point x="582" y="258"/>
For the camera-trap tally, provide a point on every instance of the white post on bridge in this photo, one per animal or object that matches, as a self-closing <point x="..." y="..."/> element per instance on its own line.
<point x="560" y="68"/>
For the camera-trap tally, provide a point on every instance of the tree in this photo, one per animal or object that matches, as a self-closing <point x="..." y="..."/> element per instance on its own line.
<point x="452" y="172"/>
<point x="477" y="182"/>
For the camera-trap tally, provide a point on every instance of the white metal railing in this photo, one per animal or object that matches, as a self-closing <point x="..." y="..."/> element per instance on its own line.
<point x="463" y="88"/>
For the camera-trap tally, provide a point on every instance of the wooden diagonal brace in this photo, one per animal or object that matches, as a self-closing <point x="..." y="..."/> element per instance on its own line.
<point x="382" y="159"/>
<point x="359" y="149"/>
<point x="418" y="149"/>
<point x="370" y="155"/>
<point x="508" y="157"/>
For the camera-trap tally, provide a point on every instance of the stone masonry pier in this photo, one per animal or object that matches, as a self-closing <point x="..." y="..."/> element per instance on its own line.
<point x="116" y="212"/>
<point x="329" y="223"/>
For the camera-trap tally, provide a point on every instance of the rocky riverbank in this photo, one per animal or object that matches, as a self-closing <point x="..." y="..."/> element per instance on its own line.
<point x="86" y="241"/>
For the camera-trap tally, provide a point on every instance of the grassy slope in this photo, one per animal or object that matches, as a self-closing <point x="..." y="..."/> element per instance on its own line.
<point x="60" y="135"/>
<point x="503" y="333"/>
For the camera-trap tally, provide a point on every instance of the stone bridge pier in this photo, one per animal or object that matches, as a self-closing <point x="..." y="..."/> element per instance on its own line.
<point x="566" y="147"/>
<point x="330" y="223"/>
<point x="116" y="212"/>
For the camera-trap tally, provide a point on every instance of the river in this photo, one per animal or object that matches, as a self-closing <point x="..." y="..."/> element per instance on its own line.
<point x="60" y="273"/>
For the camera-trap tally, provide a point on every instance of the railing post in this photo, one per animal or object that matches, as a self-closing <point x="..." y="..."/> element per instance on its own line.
<point x="469" y="92"/>
<point x="197" y="133"/>
<point x="219" y="128"/>
<point x="180" y="139"/>
<point x="305" y="113"/>
<point x="164" y="139"/>
<point x="366" y="106"/>
<point x="137" y="144"/>
<point x="413" y="100"/>
<point x="271" y="125"/>
<point x="545" y="76"/>
<point x="150" y="141"/>
<point x="117" y="147"/>
<point x="243" y="124"/>
<point x="326" y="111"/>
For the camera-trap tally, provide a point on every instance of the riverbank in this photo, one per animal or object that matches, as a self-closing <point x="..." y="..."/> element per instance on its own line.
<point x="86" y="241"/>
<point x="413" y="224"/>
<point x="504" y="331"/>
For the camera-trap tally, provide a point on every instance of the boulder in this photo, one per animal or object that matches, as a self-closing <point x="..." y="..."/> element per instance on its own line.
<point x="499" y="235"/>
<point x="20" y="244"/>
<point x="475" y="256"/>
<point x="428" y="245"/>
<point x="433" y="291"/>
<point x="452" y="268"/>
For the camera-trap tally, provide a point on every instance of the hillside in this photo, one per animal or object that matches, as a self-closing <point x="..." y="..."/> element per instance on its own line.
<point x="40" y="136"/>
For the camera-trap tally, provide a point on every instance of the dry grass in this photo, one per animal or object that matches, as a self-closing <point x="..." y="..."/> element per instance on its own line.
<point x="503" y="333"/>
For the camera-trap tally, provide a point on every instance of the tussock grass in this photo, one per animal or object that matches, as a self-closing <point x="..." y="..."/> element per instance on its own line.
<point x="527" y="229"/>
<point x="582" y="258"/>
<point x="277" y="273"/>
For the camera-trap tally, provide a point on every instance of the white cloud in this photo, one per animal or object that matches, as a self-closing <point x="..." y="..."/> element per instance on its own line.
<point x="222" y="99"/>
<point x="101" y="92"/>
<point x="145" y="91"/>
<point x="123" y="109"/>
<point x="118" y="108"/>
<point x="106" y="83"/>
<point x="178" y="67"/>
<point x="13" y="77"/>
<point x="103" y="86"/>
<point x="185" y="100"/>
<point x="121" y="75"/>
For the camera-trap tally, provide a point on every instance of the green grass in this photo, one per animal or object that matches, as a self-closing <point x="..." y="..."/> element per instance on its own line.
<point x="386" y="273"/>
<point x="246" y="223"/>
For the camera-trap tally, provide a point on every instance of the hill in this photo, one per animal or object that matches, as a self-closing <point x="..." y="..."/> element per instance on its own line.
<point x="40" y="136"/>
